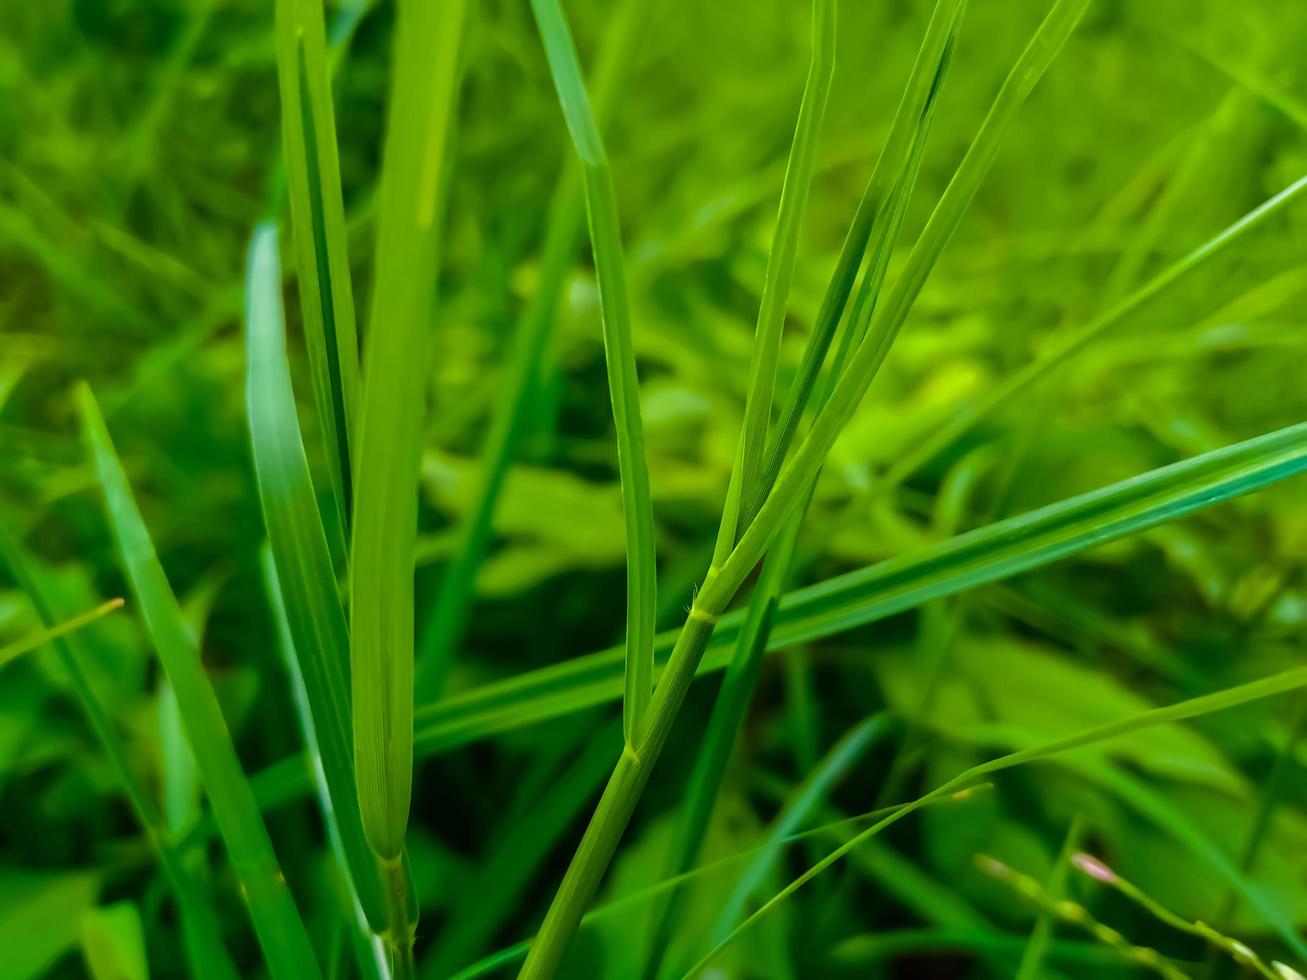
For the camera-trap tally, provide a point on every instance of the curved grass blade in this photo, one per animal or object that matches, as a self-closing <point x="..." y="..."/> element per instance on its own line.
<point x="1193" y="708"/>
<point x="321" y="244"/>
<point x="303" y="564"/>
<point x="281" y="932"/>
<point x="201" y="934"/>
<point x="14" y="650"/>
<point x="619" y="352"/>
<point x="444" y="625"/>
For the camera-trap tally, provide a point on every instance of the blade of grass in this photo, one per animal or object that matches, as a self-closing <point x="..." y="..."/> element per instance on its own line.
<point x="810" y="793"/>
<point x="321" y="244"/>
<point x="425" y="79"/>
<point x="14" y="650"/>
<point x="201" y="934"/>
<point x="281" y="932"/>
<point x="1041" y="936"/>
<point x="303" y="565"/>
<point x="967" y="561"/>
<point x="619" y="353"/>
<point x="1065" y="349"/>
<point x="444" y="625"/>
<point x="1193" y="708"/>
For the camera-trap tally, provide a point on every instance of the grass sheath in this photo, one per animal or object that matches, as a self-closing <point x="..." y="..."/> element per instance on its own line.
<point x="281" y="932"/>
<point x="619" y="354"/>
<point x="419" y="123"/>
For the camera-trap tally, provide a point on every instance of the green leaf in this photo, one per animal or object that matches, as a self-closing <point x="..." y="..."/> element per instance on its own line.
<point x="113" y="942"/>
<point x="39" y="917"/>
<point x="619" y="354"/>
<point x="304" y="569"/>
<point x="321" y="244"/>
<point x="285" y="943"/>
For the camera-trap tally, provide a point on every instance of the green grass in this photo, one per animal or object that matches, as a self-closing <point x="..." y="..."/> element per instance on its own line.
<point x="712" y="489"/>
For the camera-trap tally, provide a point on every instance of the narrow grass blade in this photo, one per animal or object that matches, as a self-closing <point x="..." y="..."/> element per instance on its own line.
<point x="811" y="793"/>
<point x="14" y="650"/>
<point x="517" y="857"/>
<point x="1183" y="711"/>
<point x="281" y="932"/>
<point x="201" y="934"/>
<point x="303" y="562"/>
<point x="619" y="351"/>
<point x="763" y="363"/>
<point x="423" y="94"/>
<point x="321" y="245"/>
<point x="1041" y="936"/>
<point x="1065" y="349"/>
<point x="444" y="625"/>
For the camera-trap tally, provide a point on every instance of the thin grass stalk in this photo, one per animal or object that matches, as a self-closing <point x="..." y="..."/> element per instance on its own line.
<point x="1281" y="683"/>
<point x="1041" y="936"/>
<point x="321" y="243"/>
<point x="619" y="356"/>
<point x="201" y="933"/>
<point x="48" y="634"/>
<point x="444" y="626"/>
<point x="277" y="923"/>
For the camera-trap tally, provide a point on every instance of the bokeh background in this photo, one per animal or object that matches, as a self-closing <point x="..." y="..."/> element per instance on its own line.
<point x="139" y="146"/>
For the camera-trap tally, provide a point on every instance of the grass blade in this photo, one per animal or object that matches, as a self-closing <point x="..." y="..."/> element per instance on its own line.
<point x="445" y="624"/>
<point x="390" y="428"/>
<point x="321" y="245"/>
<point x="1185" y="710"/>
<point x="14" y="650"/>
<point x="619" y="351"/>
<point x="303" y="563"/>
<point x="423" y="100"/>
<point x="282" y="936"/>
<point x="1065" y="349"/>
<point x="1041" y="936"/>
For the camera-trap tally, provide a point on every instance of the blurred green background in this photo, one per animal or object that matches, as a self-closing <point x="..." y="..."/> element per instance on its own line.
<point x="139" y="146"/>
